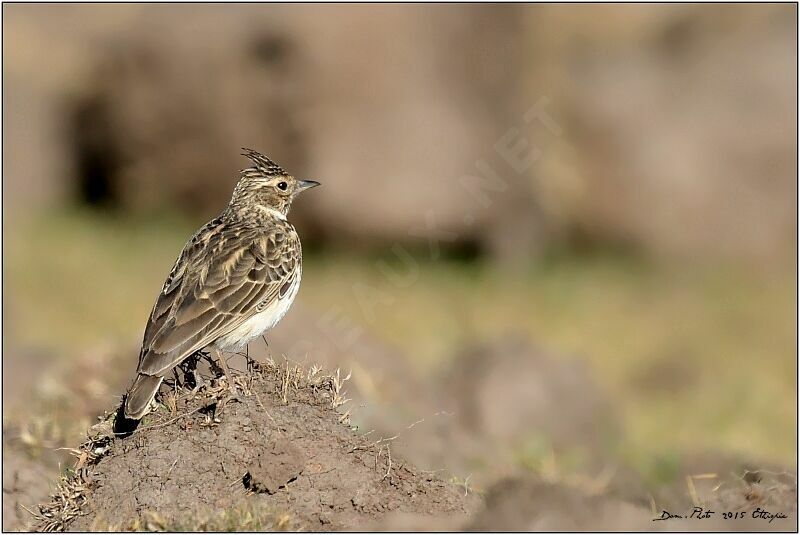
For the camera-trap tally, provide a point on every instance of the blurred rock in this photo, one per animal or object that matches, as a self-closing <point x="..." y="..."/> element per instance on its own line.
<point x="508" y="391"/>
<point x="502" y="405"/>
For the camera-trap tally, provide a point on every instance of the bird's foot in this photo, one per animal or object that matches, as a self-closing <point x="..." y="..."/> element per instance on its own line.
<point x="198" y="382"/>
<point x="252" y="364"/>
<point x="233" y="392"/>
<point x="216" y="369"/>
<point x="220" y="368"/>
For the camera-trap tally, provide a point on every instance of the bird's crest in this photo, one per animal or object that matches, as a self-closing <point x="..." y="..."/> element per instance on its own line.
<point x="262" y="165"/>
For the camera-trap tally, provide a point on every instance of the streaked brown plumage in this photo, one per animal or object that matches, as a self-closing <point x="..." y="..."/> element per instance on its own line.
<point x="234" y="279"/>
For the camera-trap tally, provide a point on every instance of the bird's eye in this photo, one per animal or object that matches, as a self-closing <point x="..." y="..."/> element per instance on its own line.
<point x="282" y="186"/>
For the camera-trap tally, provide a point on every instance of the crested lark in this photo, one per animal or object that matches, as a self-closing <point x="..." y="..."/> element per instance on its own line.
<point x="235" y="279"/>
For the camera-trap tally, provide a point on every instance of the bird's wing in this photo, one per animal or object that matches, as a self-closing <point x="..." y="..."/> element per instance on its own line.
<point x="225" y="275"/>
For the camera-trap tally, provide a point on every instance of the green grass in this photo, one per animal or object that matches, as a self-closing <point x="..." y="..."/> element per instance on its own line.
<point x="694" y="356"/>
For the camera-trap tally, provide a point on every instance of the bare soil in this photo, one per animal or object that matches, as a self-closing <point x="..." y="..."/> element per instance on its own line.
<point x="26" y="481"/>
<point x="276" y="450"/>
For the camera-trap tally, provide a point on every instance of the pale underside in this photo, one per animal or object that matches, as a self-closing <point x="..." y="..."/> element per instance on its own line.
<point x="261" y="322"/>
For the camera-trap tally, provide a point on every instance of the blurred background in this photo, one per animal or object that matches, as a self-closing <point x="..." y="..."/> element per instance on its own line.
<point x="550" y="239"/>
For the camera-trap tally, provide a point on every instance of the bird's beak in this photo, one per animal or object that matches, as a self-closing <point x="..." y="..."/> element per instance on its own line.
<point x="303" y="185"/>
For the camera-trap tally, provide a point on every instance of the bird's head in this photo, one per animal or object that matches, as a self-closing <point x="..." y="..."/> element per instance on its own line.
<point x="266" y="186"/>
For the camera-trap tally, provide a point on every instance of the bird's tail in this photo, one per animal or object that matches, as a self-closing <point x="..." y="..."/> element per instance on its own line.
<point x="140" y="395"/>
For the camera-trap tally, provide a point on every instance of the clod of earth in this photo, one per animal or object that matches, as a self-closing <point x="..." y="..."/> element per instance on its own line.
<point x="278" y="465"/>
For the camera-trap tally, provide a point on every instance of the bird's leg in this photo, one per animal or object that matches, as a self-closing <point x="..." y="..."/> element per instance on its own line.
<point x="251" y="363"/>
<point x="216" y="369"/>
<point x="198" y="381"/>
<point x="224" y="365"/>
<point x="176" y="378"/>
<point x="269" y="351"/>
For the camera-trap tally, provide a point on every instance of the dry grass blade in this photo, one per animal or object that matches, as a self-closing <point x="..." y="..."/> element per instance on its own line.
<point x="70" y="497"/>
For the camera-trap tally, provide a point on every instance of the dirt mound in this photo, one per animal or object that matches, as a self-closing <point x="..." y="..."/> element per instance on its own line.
<point x="506" y="402"/>
<point x="755" y="502"/>
<point x="724" y="479"/>
<point x="530" y="504"/>
<point x="507" y="388"/>
<point x="273" y="454"/>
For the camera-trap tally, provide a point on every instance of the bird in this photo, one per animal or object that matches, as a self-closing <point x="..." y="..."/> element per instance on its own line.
<point x="234" y="280"/>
